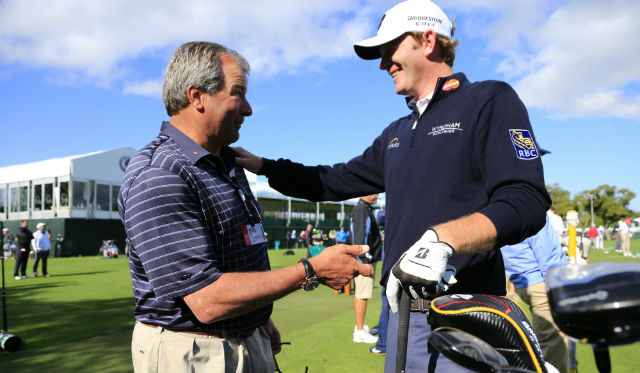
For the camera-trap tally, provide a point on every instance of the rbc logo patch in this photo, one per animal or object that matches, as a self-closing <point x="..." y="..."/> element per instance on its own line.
<point x="524" y="144"/>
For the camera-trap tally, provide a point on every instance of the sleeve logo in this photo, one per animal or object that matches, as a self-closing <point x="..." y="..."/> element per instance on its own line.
<point x="523" y="143"/>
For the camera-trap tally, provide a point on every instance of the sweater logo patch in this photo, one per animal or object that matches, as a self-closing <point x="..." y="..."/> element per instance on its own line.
<point x="450" y="85"/>
<point x="395" y="143"/>
<point x="444" y="129"/>
<point x="523" y="144"/>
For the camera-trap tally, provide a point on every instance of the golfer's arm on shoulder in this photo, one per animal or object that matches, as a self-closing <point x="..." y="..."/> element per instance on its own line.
<point x="236" y="293"/>
<point x="471" y="234"/>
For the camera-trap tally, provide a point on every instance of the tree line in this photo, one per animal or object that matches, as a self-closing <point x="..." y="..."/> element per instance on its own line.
<point x="610" y="204"/>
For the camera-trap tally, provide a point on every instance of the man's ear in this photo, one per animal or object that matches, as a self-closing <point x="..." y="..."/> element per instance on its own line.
<point x="429" y="42"/>
<point x="195" y="96"/>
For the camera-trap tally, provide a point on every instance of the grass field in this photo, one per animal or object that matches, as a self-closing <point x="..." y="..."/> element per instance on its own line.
<point x="80" y="320"/>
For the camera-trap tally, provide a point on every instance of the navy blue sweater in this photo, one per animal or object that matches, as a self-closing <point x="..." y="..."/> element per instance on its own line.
<point x="472" y="150"/>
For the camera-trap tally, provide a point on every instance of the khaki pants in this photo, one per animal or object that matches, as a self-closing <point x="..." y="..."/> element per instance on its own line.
<point x="158" y="350"/>
<point x="553" y="342"/>
<point x="626" y="244"/>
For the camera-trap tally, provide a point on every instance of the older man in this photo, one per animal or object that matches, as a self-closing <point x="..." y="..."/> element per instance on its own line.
<point x="198" y="257"/>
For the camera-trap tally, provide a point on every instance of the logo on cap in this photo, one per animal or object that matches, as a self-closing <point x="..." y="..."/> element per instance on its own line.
<point x="523" y="143"/>
<point x="451" y="84"/>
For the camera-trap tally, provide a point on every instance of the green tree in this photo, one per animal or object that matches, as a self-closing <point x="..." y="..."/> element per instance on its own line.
<point x="561" y="199"/>
<point x="610" y="204"/>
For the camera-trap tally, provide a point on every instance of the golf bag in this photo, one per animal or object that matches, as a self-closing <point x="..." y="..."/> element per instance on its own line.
<point x="494" y="319"/>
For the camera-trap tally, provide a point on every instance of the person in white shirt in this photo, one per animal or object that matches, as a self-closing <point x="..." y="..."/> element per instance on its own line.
<point x="623" y="231"/>
<point x="556" y="222"/>
<point x="600" y="241"/>
<point x="42" y="246"/>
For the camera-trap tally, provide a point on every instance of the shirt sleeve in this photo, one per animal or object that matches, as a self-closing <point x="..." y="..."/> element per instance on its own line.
<point x="166" y="226"/>
<point x="363" y="175"/>
<point x="518" y="197"/>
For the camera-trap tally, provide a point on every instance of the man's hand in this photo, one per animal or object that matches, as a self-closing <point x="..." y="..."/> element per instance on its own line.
<point x="247" y="160"/>
<point x="422" y="271"/>
<point x="335" y="266"/>
<point x="274" y="336"/>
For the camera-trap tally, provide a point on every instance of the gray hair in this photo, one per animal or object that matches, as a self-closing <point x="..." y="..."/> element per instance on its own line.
<point x="196" y="63"/>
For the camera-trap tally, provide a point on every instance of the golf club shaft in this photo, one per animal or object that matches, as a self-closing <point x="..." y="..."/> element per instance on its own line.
<point x="403" y="331"/>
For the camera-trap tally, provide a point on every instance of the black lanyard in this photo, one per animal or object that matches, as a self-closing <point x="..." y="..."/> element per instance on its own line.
<point x="250" y="208"/>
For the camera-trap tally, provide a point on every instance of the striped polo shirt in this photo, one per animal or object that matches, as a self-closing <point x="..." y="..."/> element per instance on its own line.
<point x="183" y="215"/>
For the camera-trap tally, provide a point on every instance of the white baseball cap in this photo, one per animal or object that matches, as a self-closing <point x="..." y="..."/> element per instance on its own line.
<point x="409" y="15"/>
<point x="40" y="225"/>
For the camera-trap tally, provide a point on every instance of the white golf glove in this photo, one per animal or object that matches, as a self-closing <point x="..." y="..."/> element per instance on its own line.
<point x="422" y="271"/>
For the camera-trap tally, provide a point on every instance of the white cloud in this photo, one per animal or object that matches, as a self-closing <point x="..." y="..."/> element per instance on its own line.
<point x="150" y="88"/>
<point x="99" y="37"/>
<point x="574" y="58"/>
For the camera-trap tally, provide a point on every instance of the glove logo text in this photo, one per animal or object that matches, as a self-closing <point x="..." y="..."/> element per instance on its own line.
<point x="422" y="253"/>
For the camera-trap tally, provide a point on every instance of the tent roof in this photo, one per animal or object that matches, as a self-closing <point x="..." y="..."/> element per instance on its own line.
<point x="53" y="167"/>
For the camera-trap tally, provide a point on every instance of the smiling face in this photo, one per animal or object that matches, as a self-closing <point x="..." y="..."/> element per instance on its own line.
<point x="227" y="108"/>
<point x="405" y="60"/>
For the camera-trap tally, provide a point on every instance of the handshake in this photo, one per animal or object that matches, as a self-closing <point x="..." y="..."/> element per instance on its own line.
<point x="422" y="271"/>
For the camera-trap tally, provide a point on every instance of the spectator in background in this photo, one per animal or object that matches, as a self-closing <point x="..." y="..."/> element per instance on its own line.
<point x="59" y="245"/>
<point x="364" y="231"/>
<point x="623" y="232"/>
<point x="600" y="242"/>
<point x="383" y="320"/>
<point x="341" y="236"/>
<point x="556" y="222"/>
<point x="24" y="236"/>
<point x="616" y="235"/>
<point x="8" y="245"/>
<point x="42" y="247"/>
<point x="593" y="235"/>
<point x="294" y="239"/>
<point x="526" y="264"/>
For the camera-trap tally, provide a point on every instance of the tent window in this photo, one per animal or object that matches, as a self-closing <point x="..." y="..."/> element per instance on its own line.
<point x="102" y="197"/>
<point x="48" y="196"/>
<point x="115" y="189"/>
<point x="64" y="194"/>
<point x="37" y="197"/>
<point x="24" y="199"/>
<point x="3" y="197"/>
<point x="79" y="195"/>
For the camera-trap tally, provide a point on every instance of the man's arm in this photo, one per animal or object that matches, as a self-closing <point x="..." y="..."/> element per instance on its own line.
<point x="471" y="234"/>
<point x="362" y="175"/>
<point x="233" y="294"/>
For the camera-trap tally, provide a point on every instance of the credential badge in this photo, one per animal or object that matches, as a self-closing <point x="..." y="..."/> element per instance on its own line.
<point x="524" y="145"/>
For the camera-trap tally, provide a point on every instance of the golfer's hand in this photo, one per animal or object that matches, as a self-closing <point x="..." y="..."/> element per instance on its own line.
<point x="247" y="160"/>
<point x="422" y="271"/>
<point x="335" y="266"/>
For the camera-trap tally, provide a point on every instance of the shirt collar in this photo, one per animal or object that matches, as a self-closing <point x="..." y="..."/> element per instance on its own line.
<point x="420" y="105"/>
<point x="192" y="150"/>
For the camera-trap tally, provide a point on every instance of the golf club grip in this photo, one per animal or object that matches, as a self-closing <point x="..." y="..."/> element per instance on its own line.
<point x="403" y="331"/>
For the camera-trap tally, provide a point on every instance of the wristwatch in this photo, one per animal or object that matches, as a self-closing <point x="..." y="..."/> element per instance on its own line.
<point x="311" y="281"/>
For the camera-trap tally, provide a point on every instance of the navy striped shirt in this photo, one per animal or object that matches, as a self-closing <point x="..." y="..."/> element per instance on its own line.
<point x="183" y="217"/>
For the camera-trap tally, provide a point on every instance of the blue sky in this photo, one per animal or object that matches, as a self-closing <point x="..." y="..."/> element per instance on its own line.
<point x="79" y="76"/>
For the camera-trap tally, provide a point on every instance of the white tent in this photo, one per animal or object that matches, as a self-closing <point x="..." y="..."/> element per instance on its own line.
<point x="79" y="186"/>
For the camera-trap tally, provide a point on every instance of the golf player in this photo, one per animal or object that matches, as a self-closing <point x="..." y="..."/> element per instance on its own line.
<point x="198" y="256"/>
<point x="461" y="172"/>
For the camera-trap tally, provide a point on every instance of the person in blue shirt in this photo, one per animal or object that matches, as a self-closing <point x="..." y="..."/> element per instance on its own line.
<point x="526" y="264"/>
